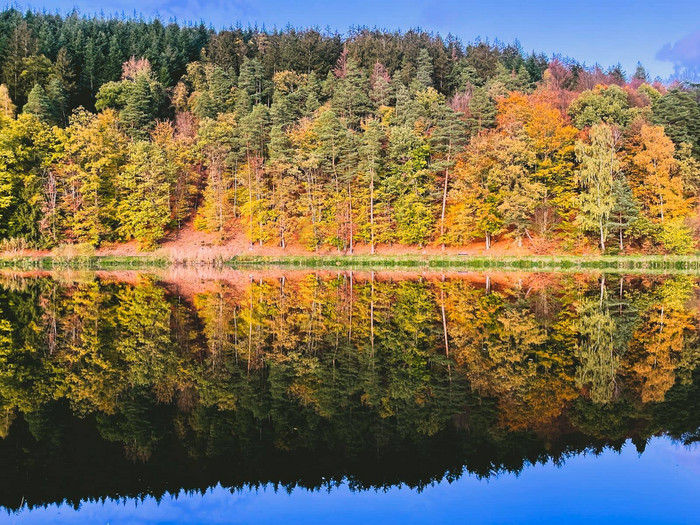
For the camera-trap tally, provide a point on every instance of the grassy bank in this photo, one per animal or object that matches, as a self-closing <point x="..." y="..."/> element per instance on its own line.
<point x="620" y="263"/>
<point x="94" y="262"/>
<point x="418" y="262"/>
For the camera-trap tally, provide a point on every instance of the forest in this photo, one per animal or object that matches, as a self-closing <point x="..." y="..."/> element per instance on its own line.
<point x="115" y="384"/>
<point x="129" y="130"/>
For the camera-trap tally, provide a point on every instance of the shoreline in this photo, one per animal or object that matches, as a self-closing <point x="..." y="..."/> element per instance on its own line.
<point x="419" y="262"/>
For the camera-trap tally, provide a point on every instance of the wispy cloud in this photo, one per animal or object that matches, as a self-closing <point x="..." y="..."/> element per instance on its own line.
<point x="685" y="56"/>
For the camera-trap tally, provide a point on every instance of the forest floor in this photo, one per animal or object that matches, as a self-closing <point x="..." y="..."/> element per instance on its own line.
<point x="190" y="244"/>
<point x="189" y="247"/>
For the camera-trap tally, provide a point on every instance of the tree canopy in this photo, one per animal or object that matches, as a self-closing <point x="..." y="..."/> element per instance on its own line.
<point x="133" y="129"/>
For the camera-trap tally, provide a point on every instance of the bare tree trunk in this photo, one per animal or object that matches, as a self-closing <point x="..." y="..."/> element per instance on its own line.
<point x="250" y="203"/>
<point x="371" y="315"/>
<point x="444" y="205"/>
<point x="351" y="306"/>
<point x="350" y="205"/>
<point x="622" y="247"/>
<point x="622" y="282"/>
<point x="310" y="192"/>
<point x="371" y="211"/>
<point x="444" y="317"/>
<point x="250" y="326"/>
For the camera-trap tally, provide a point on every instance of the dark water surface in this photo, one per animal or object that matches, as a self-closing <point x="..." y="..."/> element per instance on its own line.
<point x="319" y="397"/>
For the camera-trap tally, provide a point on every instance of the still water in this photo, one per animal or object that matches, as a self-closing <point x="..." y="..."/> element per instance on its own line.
<point x="349" y="397"/>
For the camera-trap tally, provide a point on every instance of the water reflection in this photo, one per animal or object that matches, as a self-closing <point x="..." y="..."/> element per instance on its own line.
<point x="124" y="385"/>
<point x="659" y="486"/>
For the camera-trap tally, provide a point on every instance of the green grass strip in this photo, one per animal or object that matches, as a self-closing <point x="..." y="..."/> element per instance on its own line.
<point x="628" y="263"/>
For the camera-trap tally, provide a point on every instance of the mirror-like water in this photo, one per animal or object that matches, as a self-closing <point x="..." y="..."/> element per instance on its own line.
<point x="365" y="395"/>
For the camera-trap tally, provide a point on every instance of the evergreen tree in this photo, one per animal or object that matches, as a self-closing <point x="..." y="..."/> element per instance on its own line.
<point x="679" y="113"/>
<point x="625" y="210"/>
<point x="252" y="81"/>
<point x="640" y="73"/>
<point x="139" y="98"/>
<point x="63" y="70"/>
<point x="424" y="71"/>
<point x="482" y="111"/>
<point x="447" y="142"/>
<point x="58" y="101"/>
<point x="21" y="45"/>
<point x="351" y="95"/>
<point x="143" y="98"/>
<point x="39" y="105"/>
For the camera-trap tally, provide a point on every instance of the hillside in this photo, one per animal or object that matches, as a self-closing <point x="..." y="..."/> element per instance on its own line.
<point x="130" y="136"/>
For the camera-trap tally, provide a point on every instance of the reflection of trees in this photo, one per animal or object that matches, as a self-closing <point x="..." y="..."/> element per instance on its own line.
<point x="350" y="367"/>
<point x="663" y="344"/>
<point x="598" y="355"/>
<point x="501" y="345"/>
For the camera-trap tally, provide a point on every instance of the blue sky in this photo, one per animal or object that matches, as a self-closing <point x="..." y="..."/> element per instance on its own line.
<point x="662" y="34"/>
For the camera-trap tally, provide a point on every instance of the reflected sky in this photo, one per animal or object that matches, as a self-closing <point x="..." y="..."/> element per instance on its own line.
<point x="659" y="486"/>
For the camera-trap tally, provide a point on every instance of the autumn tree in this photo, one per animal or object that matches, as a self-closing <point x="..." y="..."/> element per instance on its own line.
<point x="604" y="104"/>
<point x="371" y="152"/>
<point x="95" y="153"/>
<point x="654" y="175"/>
<point x="144" y="187"/>
<point x="219" y="145"/>
<point x="599" y="166"/>
<point x="6" y="106"/>
<point x="28" y="148"/>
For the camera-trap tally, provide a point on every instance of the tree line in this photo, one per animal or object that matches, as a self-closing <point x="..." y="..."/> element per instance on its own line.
<point x="118" y="129"/>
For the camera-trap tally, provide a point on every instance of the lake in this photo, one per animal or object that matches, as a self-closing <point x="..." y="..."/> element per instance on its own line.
<point x="268" y="396"/>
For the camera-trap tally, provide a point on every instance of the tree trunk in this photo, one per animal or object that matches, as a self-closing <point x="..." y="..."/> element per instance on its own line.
<point x="371" y="211"/>
<point x="351" y="306"/>
<point x="250" y="325"/>
<point x="444" y="204"/>
<point x="444" y="317"/>
<point x="250" y="203"/>
<point x="622" y="247"/>
<point x="371" y="315"/>
<point x="622" y="282"/>
<point x="350" y="206"/>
